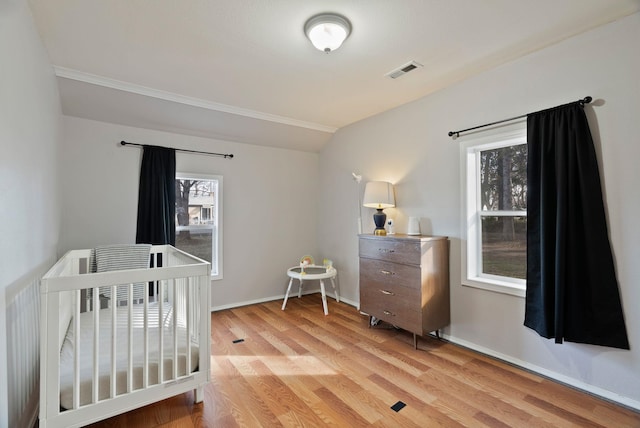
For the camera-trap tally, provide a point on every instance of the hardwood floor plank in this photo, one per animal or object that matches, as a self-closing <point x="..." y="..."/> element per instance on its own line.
<point x="476" y="397"/>
<point x="615" y="415"/>
<point x="417" y="407"/>
<point x="248" y="407"/>
<point x="562" y="413"/>
<point x="332" y="416"/>
<point x="217" y="394"/>
<point x="279" y="397"/>
<point x="449" y="406"/>
<point x="490" y="421"/>
<point x="401" y="360"/>
<point x="274" y="321"/>
<point x="227" y="422"/>
<point x="491" y="363"/>
<point x="348" y="392"/>
<point x="357" y="417"/>
<point x="288" y="341"/>
<point x="300" y="368"/>
<point x="490" y="371"/>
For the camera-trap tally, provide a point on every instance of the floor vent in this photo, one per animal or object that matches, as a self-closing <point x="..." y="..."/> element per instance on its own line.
<point x="410" y="66"/>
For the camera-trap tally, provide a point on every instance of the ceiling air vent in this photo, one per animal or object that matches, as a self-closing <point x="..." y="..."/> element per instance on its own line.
<point x="401" y="71"/>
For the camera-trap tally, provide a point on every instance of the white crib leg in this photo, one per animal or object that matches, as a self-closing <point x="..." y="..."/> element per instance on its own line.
<point x="198" y="394"/>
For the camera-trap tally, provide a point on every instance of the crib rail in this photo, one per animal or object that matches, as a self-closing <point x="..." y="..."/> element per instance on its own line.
<point x="133" y="352"/>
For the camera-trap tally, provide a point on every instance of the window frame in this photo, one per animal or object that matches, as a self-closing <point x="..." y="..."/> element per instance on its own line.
<point x="472" y="213"/>
<point x="216" y="274"/>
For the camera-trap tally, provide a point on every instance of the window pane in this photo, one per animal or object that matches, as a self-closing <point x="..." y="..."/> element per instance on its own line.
<point x="195" y="217"/>
<point x="503" y="178"/>
<point x="196" y="242"/>
<point x="504" y="246"/>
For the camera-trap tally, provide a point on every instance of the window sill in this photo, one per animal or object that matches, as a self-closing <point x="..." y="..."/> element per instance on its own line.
<point x="496" y="286"/>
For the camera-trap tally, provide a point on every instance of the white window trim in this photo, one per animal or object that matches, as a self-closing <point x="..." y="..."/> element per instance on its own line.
<point x="471" y="253"/>
<point x="217" y="215"/>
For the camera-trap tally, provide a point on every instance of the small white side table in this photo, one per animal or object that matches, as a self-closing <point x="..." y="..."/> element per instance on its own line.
<point x="312" y="272"/>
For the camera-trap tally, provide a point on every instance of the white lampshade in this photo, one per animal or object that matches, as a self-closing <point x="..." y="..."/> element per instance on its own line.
<point x="327" y="31"/>
<point x="379" y="194"/>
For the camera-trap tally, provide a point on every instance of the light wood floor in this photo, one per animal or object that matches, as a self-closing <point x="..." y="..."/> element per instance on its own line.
<point x="299" y="368"/>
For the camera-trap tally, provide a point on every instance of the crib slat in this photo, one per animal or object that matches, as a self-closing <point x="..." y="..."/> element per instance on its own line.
<point x="114" y="325"/>
<point x="130" y="341"/>
<point x="145" y="364"/>
<point x="76" y="352"/>
<point x="204" y="324"/>
<point x="176" y="307"/>
<point x="160" y="332"/>
<point x="188" y="303"/>
<point x="96" y="345"/>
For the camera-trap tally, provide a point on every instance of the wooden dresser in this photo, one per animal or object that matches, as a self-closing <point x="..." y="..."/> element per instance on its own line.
<point x="404" y="280"/>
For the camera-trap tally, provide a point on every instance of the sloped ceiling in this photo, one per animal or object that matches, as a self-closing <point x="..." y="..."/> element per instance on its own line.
<point x="244" y="70"/>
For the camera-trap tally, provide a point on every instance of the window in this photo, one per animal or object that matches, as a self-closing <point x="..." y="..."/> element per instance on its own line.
<point x="199" y="218"/>
<point x="494" y="216"/>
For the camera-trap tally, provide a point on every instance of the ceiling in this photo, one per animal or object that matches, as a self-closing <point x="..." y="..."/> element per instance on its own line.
<point x="244" y="70"/>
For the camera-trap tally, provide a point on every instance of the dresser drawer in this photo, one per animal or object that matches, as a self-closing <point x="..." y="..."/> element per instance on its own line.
<point x="391" y="294"/>
<point x="400" y="251"/>
<point x="387" y="274"/>
<point x="392" y="309"/>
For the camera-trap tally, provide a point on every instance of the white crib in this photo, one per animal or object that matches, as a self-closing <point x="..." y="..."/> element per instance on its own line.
<point x="126" y="353"/>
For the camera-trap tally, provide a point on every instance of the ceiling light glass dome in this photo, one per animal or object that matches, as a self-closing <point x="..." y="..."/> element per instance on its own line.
<point x="327" y="31"/>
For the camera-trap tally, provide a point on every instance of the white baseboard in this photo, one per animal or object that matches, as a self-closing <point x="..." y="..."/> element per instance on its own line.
<point x="591" y="389"/>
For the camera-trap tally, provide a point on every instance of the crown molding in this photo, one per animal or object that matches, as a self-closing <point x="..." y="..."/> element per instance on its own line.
<point x="93" y="79"/>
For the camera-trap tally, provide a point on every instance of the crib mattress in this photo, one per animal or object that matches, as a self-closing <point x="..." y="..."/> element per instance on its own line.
<point x="122" y="352"/>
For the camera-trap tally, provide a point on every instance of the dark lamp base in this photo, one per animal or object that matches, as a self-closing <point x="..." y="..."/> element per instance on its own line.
<point x="379" y="218"/>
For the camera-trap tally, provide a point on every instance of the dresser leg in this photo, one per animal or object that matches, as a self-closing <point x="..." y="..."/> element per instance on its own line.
<point x="415" y="341"/>
<point x="438" y="334"/>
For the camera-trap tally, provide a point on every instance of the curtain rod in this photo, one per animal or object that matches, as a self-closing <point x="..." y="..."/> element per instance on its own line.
<point x="230" y="156"/>
<point x="585" y="100"/>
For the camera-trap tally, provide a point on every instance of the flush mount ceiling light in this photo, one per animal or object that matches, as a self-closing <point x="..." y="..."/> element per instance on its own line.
<point x="327" y="31"/>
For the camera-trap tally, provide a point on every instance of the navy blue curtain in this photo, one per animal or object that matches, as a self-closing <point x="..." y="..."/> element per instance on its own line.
<point x="157" y="197"/>
<point x="572" y="289"/>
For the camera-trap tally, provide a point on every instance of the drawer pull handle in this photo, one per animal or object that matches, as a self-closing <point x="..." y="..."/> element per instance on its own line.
<point x="386" y="272"/>
<point x="385" y="250"/>
<point x="389" y="313"/>
<point x="388" y="293"/>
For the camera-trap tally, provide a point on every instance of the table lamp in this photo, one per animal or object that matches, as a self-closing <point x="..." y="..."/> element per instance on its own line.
<point x="379" y="195"/>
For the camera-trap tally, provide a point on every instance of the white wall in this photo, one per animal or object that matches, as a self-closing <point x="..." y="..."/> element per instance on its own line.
<point x="269" y="206"/>
<point x="30" y="209"/>
<point x="410" y="147"/>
